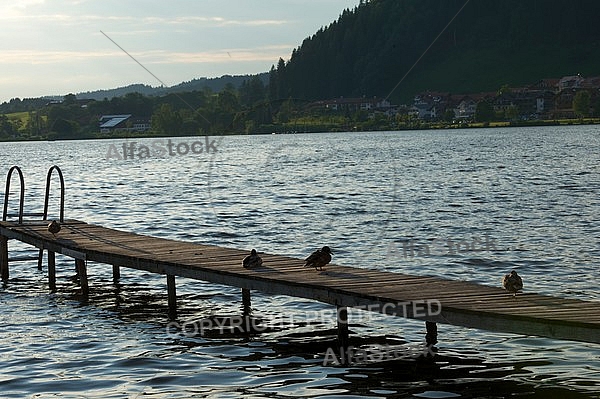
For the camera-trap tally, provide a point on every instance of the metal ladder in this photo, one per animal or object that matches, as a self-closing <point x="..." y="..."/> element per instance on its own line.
<point x="43" y="215"/>
<point x="7" y="192"/>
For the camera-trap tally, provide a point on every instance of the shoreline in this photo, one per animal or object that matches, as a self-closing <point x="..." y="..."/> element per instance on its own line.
<point x="283" y="129"/>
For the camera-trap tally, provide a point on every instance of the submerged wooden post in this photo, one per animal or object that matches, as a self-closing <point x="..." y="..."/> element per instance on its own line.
<point x="4" y="258"/>
<point x="342" y="325"/>
<point x="83" y="278"/>
<point x="116" y="273"/>
<point x="432" y="332"/>
<point x="246" y="305"/>
<point x="172" y="296"/>
<point x="40" y="258"/>
<point x="51" y="271"/>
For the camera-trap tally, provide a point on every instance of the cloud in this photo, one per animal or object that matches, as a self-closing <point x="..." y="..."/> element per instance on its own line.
<point x="20" y="4"/>
<point x="250" y="22"/>
<point x="41" y="57"/>
<point x="73" y="19"/>
<point x="266" y="53"/>
<point x="45" y="57"/>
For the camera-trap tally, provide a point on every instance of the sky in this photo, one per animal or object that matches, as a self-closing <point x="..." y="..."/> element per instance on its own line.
<point x="57" y="47"/>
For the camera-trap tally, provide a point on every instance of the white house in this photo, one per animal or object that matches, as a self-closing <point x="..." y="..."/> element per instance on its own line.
<point x="465" y="109"/>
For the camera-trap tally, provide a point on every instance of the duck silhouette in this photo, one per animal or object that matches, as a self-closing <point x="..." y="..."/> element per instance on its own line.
<point x="252" y="260"/>
<point x="54" y="228"/>
<point x="319" y="258"/>
<point x="512" y="282"/>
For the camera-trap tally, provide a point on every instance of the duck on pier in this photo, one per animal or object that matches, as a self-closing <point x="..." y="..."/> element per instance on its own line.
<point x="54" y="228"/>
<point x="512" y="282"/>
<point x="319" y="258"/>
<point x="252" y="260"/>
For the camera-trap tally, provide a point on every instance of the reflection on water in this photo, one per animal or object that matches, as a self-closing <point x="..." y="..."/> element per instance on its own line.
<point x="533" y="193"/>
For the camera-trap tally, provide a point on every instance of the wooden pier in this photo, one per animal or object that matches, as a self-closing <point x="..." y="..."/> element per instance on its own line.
<point x="431" y="299"/>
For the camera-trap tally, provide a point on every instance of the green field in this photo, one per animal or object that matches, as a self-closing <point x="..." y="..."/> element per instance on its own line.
<point x="21" y="119"/>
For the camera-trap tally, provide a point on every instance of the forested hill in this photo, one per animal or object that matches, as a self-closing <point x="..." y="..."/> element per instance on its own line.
<point x="490" y="43"/>
<point x="214" y="84"/>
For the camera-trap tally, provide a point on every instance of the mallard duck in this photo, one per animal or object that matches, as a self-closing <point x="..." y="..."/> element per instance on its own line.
<point x="252" y="260"/>
<point x="54" y="227"/>
<point x="319" y="258"/>
<point x="512" y="282"/>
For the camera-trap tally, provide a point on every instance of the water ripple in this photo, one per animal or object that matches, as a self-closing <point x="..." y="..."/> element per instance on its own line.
<point x="483" y="202"/>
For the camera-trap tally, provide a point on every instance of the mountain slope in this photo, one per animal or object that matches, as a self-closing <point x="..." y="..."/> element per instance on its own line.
<point x="368" y="50"/>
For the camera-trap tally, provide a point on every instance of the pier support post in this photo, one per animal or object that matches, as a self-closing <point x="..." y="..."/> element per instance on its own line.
<point x="4" y="258"/>
<point x="116" y="273"/>
<point x="40" y="258"/>
<point x="342" y="325"/>
<point x="246" y="304"/>
<point x="83" y="277"/>
<point x="51" y="271"/>
<point x="172" y="296"/>
<point x="432" y="333"/>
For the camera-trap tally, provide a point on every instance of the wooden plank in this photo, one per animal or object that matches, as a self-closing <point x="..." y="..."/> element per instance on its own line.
<point x="463" y="303"/>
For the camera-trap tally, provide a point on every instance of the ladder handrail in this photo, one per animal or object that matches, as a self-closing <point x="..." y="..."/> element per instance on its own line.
<point x="7" y="191"/>
<point x="62" y="193"/>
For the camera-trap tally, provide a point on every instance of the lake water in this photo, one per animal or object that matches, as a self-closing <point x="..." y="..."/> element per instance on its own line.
<point x="529" y="198"/>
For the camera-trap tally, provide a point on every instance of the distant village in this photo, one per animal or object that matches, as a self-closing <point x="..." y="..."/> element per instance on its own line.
<point x="548" y="99"/>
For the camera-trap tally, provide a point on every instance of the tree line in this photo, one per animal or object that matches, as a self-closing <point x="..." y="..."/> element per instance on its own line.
<point x="232" y="110"/>
<point x="371" y="48"/>
<point x="252" y="108"/>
